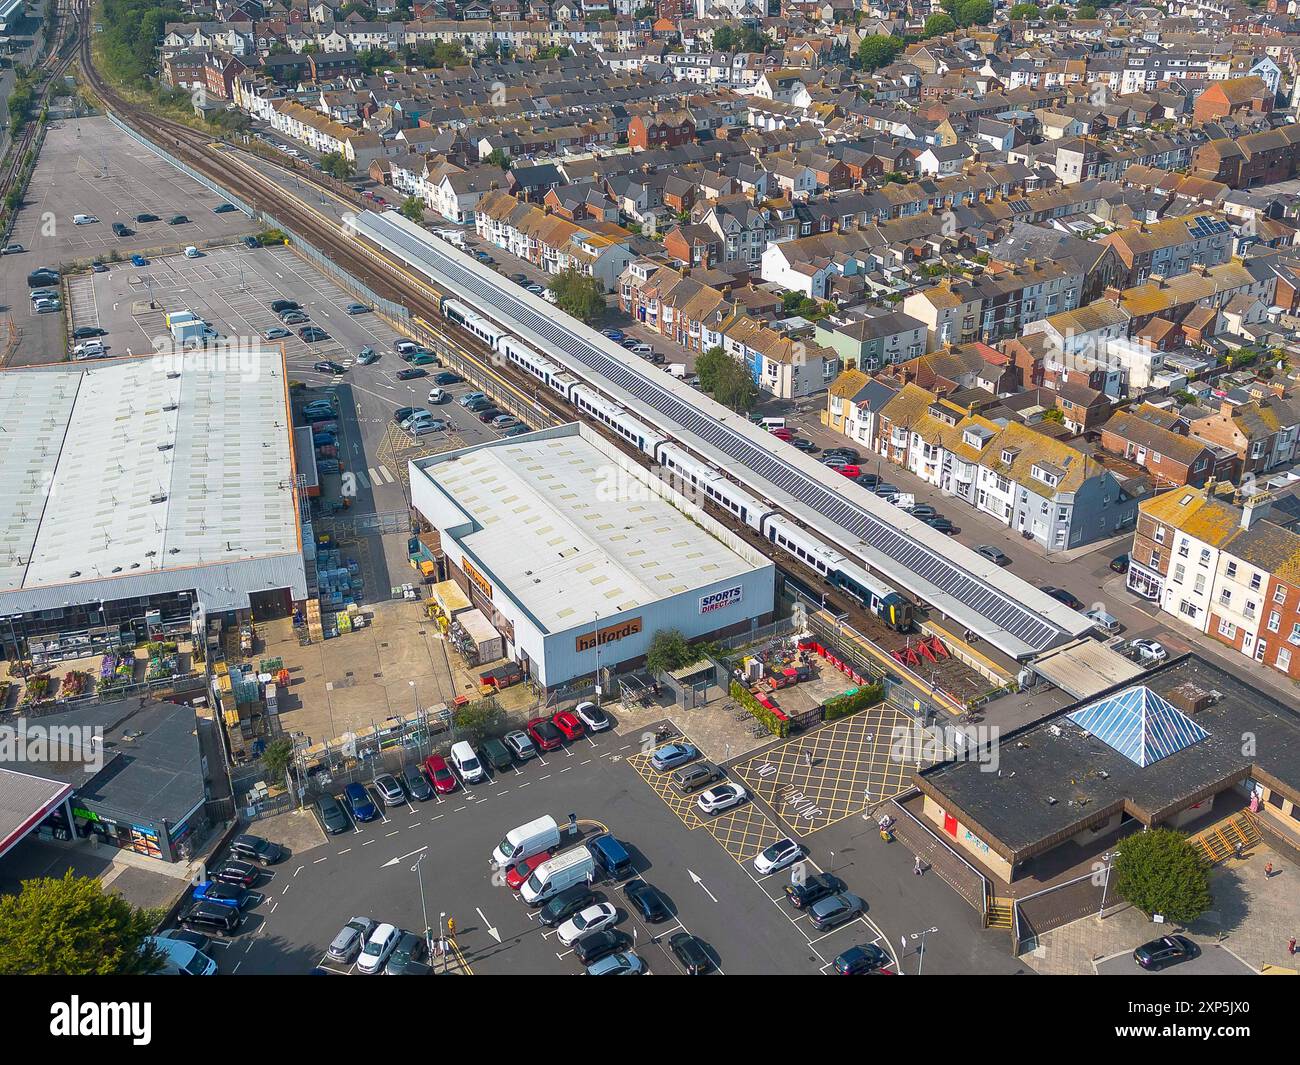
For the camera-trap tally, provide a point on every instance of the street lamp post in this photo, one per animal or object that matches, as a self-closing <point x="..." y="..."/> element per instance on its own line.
<point x="424" y="912"/>
<point x="920" y="950"/>
<point x="1109" y="856"/>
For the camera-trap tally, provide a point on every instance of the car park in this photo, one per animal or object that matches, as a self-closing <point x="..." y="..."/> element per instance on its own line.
<point x="624" y="963"/>
<point x="671" y="755"/>
<point x="777" y="856"/>
<point x="810" y="890"/>
<point x="520" y="745"/>
<point x="723" y="797"/>
<point x="565" y="904"/>
<point x="690" y="778"/>
<point x="390" y="790"/>
<point x="591" y="919"/>
<point x="860" y="960"/>
<point x="593" y="716"/>
<point x="596" y="945"/>
<point x="332" y="816"/>
<point x="691" y="952"/>
<point x="409" y="953"/>
<point x="440" y="775"/>
<point x="252" y="848"/>
<point x="835" y="910"/>
<point x="237" y="874"/>
<point x="359" y="804"/>
<point x="993" y="554"/>
<point x="350" y="938"/>
<point x="410" y="373"/>
<point x="415" y="783"/>
<point x="568" y="723"/>
<point x="648" y="901"/>
<point x="382" y="942"/>
<point x="523" y="869"/>
<point x="1165" y="951"/>
<point x="496" y="754"/>
<point x="544" y="734"/>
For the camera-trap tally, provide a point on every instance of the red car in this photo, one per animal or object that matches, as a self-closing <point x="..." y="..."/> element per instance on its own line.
<point x="783" y="434"/>
<point x="850" y="471"/>
<point x="441" y="777"/>
<point x="521" y="871"/>
<point x="545" y="734"/>
<point x="568" y="723"/>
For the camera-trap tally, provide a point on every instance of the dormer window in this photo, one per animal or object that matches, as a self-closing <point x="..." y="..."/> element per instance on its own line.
<point x="1046" y="476"/>
<point x="1009" y="454"/>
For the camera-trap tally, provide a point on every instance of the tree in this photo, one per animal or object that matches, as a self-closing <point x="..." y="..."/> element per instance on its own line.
<point x="498" y="157"/>
<point x="1057" y="13"/>
<point x="668" y="651"/>
<point x="1023" y="11"/>
<point x="73" y="927"/>
<point x="1159" y="871"/>
<point x="334" y="164"/>
<point x="878" y="51"/>
<point x="975" y="13"/>
<point x="578" y="295"/>
<point x="479" y="719"/>
<point x="1086" y="11"/>
<point x="735" y="388"/>
<point x="412" y="208"/>
<point x="708" y="366"/>
<point x="938" y="24"/>
<point x="277" y="757"/>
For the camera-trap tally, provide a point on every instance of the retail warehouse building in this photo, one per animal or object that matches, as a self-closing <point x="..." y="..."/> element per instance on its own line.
<point x="138" y="495"/>
<point x="578" y="556"/>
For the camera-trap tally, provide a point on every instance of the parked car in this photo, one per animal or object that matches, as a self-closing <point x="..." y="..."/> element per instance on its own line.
<point x="811" y="889"/>
<point x="331" y="814"/>
<point x="381" y="944"/>
<point x="1062" y="596"/>
<point x="522" y="870"/>
<point x="313" y="334"/>
<point x="993" y="554"/>
<point x="403" y="414"/>
<point x="356" y="308"/>
<point x="390" y="790"/>
<point x="806" y="446"/>
<point x="237" y="873"/>
<point x="624" y="963"/>
<point x="350" y="938"/>
<point x="446" y="377"/>
<point x="12" y="249"/>
<point x="723" y="797"/>
<point x="834" y="910"/>
<point x="777" y="856"/>
<point x="359" y="803"/>
<point x="1149" y="651"/>
<point x="328" y="366"/>
<point x="277" y="333"/>
<point x="1165" y="951"/>
<point x="496" y="754"/>
<point x="278" y="306"/>
<point x="941" y="524"/>
<point x="177" y="220"/>
<point x="568" y="723"/>
<point x="596" y="945"/>
<point x="85" y="332"/>
<point x="565" y="904"/>
<point x="470" y="397"/>
<point x="411" y="372"/>
<point x="196" y="940"/>
<point x="407" y="955"/>
<point x="211" y="919"/>
<point x="1120" y="563"/>
<point x="671" y="755"/>
<point x="859" y="960"/>
<point x="417" y="787"/>
<point x="139" y="260"/>
<point x="252" y="848"/>
<point x="440" y="775"/>
<point x="544" y="734"/>
<point x="520" y="745"/>
<point x="691" y="952"/>
<point x="146" y="217"/>
<point x="593" y="716"/>
<point x="224" y="208"/>
<point x="697" y="775"/>
<point x="922" y="511"/>
<point x="592" y="919"/>
<point x="222" y="894"/>
<point x="649" y="901"/>
<point x="366" y="356"/>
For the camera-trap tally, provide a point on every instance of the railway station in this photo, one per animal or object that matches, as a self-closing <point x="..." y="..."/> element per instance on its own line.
<point x="577" y="556"/>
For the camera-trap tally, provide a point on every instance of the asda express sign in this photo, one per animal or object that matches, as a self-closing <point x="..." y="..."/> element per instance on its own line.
<point x="720" y="600"/>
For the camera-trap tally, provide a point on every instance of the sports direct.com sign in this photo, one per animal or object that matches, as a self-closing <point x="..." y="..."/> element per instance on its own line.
<point x="720" y="600"/>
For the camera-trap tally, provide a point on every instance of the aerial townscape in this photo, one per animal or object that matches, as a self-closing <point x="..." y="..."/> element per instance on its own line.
<point x="650" y="487"/>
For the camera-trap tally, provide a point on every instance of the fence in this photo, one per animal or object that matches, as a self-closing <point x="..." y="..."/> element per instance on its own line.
<point x="1056" y="906"/>
<point x="174" y="687"/>
<point x="350" y="526"/>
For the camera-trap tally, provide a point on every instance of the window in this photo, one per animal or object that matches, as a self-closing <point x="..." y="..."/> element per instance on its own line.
<point x="1231" y="571"/>
<point x="1274" y="621"/>
<point x="1200" y="584"/>
<point x="1249" y="611"/>
<point x="1205" y="556"/>
<point x="1284" y="664"/>
<point x="1255" y="581"/>
<point x="1184" y="548"/>
<point x="1160" y="534"/>
<point x="1279" y="596"/>
<point x="1225" y="598"/>
<point x="1295" y="634"/>
<point x="1179" y="572"/>
<point x="1227" y="629"/>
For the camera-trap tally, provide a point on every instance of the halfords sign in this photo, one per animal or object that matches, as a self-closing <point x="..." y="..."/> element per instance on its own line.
<point x="609" y="634"/>
<point x="480" y="582"/>
<point x="720" y="600"/>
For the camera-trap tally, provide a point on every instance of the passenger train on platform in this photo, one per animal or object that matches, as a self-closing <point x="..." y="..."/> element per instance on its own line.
<point x="886" y="603"/>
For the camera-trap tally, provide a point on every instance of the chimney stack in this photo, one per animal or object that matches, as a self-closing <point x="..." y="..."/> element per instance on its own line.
<point x="1255" y="508"/>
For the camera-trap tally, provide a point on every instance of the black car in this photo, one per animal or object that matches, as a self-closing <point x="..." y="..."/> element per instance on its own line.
<point x="1167" y="950"/>
<point x="648" y="900"/>
<point x="37" y="278"/>
<point x="1062" y="596"/>
<point x="327" y="366"/>
<point x="806" y="446"/>
<point x="691" y="953"/>
<point x="596" y="945"/>
<point x="224" y="208"/>
<point x="848" y="454"/>
<point x="120" y="230"/>
<point x="85" y="332"/>
<point x="312" y="334"/>
<point x="177" y="220"/>
<point x="410" y="951"/>
<point x="331" y="815"/>
<point x="496" y="754"/>
<point x="146" y="218"/>
<point x="283" y="305"/>
<point x="860" y="960"/>
<point x="251" y="242"/>
<point x="1120" y="563"/>
<point x="211" y="918"/>
<point x="199" y="942"/>
<point x="868" y="480"/>
<point x="411" y="372"/>
<point x="256" y="849"/>
<point x="814" y="887"/>
<point x="237" y="874"/>
<point x="402" y="413"/>
<point x="566" y="904"/>
<point x="415" y="783"/>
<point x="446" y="377"/>
<point x="941" y="524"/>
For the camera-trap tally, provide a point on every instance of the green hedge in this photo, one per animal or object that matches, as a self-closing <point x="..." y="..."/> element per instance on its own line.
<point x="745" y="698"/>
<point x="853" y="701"/>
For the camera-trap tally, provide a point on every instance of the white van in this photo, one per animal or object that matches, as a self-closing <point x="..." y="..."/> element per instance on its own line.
<point x="1108" y="623"/>
<point x="677" y="369"/>
<point x="191" y="252"/>
<point x="541" y="834"/>
<point x="467" y="763"/>
<point x="181" y="959"/>
<point x="574" y="866"/>
<point x="83" y="219"/>
<point x="772" y="423"/>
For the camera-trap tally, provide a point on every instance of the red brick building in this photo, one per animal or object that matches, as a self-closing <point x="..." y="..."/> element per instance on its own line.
<point x="663" y="130"/>
<point x="1231" y="97"/>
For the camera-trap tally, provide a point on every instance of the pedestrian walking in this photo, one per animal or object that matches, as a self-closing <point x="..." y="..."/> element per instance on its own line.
<point x="918" y="868"/>
<point x="1237" y="851"/>
<point x="807" y="758"/>
<point x="1268" y="871"/>
<point x="451" y="926"/>
<point x="1290" y="946"/>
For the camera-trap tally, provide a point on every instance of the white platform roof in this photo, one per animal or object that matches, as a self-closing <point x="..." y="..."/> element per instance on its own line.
<point x="564" y="527"/>
<point x="142" y="467"/>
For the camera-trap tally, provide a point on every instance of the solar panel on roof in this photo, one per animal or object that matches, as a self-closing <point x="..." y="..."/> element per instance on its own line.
<point x="1000" y="610"/>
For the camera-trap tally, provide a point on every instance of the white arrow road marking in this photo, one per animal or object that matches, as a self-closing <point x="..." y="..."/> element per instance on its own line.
<point x="402" y="858"/>
<point x="491" y="931"/>
<point x="696" y="880"/>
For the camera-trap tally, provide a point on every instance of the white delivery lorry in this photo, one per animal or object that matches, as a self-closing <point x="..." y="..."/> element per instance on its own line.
<point x="542" y="834"/>
<point x="574" y="866"/>
<point x="677" y="369"/>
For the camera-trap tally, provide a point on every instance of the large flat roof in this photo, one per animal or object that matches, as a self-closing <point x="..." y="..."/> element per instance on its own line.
<point x="566" y="527"/>
<point x="142" y="466"/>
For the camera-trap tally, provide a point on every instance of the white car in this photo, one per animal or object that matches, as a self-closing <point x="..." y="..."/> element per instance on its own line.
<point x="92" y="349"/>
<point x="592" y="919"/>
<point x="374" y="955"/>
<point x="438" y="395"/>
<point x="780" y="854"/>
<point x="723" y="797"/>
<point x="593" y="717"/>
<point x="84" y="219"/>
<point x="1149" y="651"/>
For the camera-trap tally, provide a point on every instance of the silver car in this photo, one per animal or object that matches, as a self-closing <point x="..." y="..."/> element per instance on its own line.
<point x="521" y="745"/>
<point x="390" y="790"/>
<point x="351" y="936"/>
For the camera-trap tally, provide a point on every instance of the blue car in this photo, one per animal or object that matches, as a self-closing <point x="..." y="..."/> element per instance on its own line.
<point x="359" y="803"/>
<point x="673" y="754"/>
<point x="221" y="894"/>
<point x="613" y="334"/>
<point x="139" y="260"/>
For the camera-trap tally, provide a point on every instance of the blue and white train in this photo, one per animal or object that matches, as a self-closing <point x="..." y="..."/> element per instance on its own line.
<point x="843" y="573"/>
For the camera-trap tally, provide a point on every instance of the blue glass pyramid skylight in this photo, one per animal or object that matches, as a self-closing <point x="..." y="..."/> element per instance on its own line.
<point x="1140" y="725"/>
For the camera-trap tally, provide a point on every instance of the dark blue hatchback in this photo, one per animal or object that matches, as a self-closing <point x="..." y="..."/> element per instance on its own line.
<point x="359" y="803"/>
